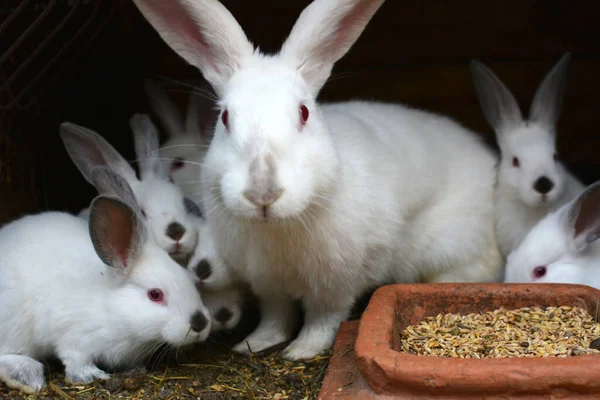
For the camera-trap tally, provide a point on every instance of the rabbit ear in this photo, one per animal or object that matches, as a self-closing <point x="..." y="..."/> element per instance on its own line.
<point x="145" y="138"/>
<point x="116" y="229"/>
<point x="202" y="32"/>
<point x="165" y="109"/>
<point x="499" y="106"/>
<point x="88" y="150"/>
<point x="583" y="217"/>
<point x="547" y="102"/>
<point x="324" y="32"/>
<point x="200" y="116"/>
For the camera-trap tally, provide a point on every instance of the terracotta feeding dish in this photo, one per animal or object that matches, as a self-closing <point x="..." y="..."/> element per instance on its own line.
<point x="391" y="372"/>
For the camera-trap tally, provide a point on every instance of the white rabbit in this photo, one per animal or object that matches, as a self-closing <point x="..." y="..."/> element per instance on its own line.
<point x="221" y="293"/>
<point x="184" y="151"/>
<point x="321" y="202"/>
<point x="162" y="202"/>
<point x="563" y="246"/>
<point x="105" y="294"/>
<point x="531" y="179"/>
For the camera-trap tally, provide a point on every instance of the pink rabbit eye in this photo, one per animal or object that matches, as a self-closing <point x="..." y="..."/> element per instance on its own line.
<point x="516" y="162"/>
<point x="303" y="114"/>
<point x="178" y="163"/>
<point x="156" y="295"/>
<point x="225" y="119"/>
<point x="539" y="272"/>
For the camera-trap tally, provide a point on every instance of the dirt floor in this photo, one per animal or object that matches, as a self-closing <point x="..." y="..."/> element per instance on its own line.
<point x="198" y="374"/>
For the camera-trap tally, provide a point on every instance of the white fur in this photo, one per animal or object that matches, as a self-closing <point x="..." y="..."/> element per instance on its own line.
<point x="568" y="256"/>
<point x="188" y="138"/>
<point x="365" y="193"/>
<point x="533" y="142"/>
<point x="59" y="298"/>
<point x="220" y="288"/>
<point x="161" y="200"/>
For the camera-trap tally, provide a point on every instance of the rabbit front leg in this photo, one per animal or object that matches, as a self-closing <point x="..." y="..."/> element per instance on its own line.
<point x="22" y="373"/>
<point x="321" y="323"/>
<point x="277" y="321"/>
<point x="80" y="368"/>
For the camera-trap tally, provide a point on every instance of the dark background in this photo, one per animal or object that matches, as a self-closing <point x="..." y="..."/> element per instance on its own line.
<point x="86" y="62"/>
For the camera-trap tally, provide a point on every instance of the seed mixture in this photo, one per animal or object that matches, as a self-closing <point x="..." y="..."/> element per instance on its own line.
<point x="525" y="332"/>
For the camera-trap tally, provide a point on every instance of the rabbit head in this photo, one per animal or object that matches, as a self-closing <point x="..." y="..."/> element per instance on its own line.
<point x="166" y="302"/>
<point x="271" y="156"/>
<point x="529" y="167"/>
<point x="162" y="202"/>
<point x="561" y="247"/>
<point x="188" y="138"/>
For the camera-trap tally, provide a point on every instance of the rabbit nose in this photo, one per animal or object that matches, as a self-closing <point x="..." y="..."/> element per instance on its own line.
<point x="198" y="322"/>
<point x="175" y="231"/>
<point x="543" y="185"/>
<point x="203" y="269"/>
<point x="263" y="199"/>
<point x="223" y="315"/>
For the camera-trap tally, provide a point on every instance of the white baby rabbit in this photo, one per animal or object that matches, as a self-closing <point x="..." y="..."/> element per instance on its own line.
<point x="105" y="294"/>
<point x="322" y="202"/>
<point x="184" y="151"/>
<point x="531" y="179"/>
<point x="563" y="247"/>
<point x="162" y="202"/>
<point x="221" y="294"/>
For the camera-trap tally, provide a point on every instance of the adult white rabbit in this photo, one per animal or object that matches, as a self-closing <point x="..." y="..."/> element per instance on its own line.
<point x="100" y="294"/>
<point x="563" y="247"/>
<point x="320" y="202"/>
<point x="188" y="137"/>
<point x="162" y="202"/>
<point x="531" y="179"/>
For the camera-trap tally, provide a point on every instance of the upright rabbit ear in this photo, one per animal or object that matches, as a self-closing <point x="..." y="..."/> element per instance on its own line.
<point x="202" y="32"/>
<point x="583" y="217"/>
<point x="145" y="138"/>
<point x="499" y="106"/>
<point x="116" y="229"/>
<point x="165" y="109"/>
<point x="88" y="150"/>
<point x="324" y="32"/>
<point x="201" y="116"/>
<point x="548" y="99"/>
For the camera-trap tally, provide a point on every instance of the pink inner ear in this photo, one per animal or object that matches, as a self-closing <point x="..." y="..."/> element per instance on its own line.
<point x="589" y="213"/>
<point x="177" y="20"/>
<point x="119" y="232"/>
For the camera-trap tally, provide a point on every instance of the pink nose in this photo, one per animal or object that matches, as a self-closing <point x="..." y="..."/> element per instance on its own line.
<point x="263" y="199"/>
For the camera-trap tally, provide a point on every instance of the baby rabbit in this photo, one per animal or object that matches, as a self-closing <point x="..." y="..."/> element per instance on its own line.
<point x="184" y="151"/>
<point x="320" y="203"/>
<point x="162" y="202"/>
<point x="105" y="294"/>
<point x="563" y="247"/>
<point x="531" y="180"/>
<point x="221" y="294"/>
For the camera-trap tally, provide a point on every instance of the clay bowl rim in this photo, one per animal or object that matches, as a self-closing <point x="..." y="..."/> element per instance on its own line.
<point x="383" y="366"/>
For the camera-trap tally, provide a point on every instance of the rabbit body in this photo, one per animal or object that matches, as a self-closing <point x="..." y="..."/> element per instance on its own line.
<point x="322" y="202"/>
<point x="60" y="297"/>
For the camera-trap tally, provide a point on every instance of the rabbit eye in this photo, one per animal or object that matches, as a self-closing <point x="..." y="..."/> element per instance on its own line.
<point x="516" y="162"/>
<point x="156" y="295"/>
<point x="178" y="163"/>
<point x="555" y="156"/>
<point x="225" y="119"/>
<point x="303" y="114"/>
<point x="539" y="272"/>
<point x="144" y="213"/>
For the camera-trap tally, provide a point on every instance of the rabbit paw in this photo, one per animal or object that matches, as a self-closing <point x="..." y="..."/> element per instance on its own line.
<point x="22" y="373"/>
<point x="262" y="338"/>
<point x="301" y="349"/>
<point x="84" y="373"/>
